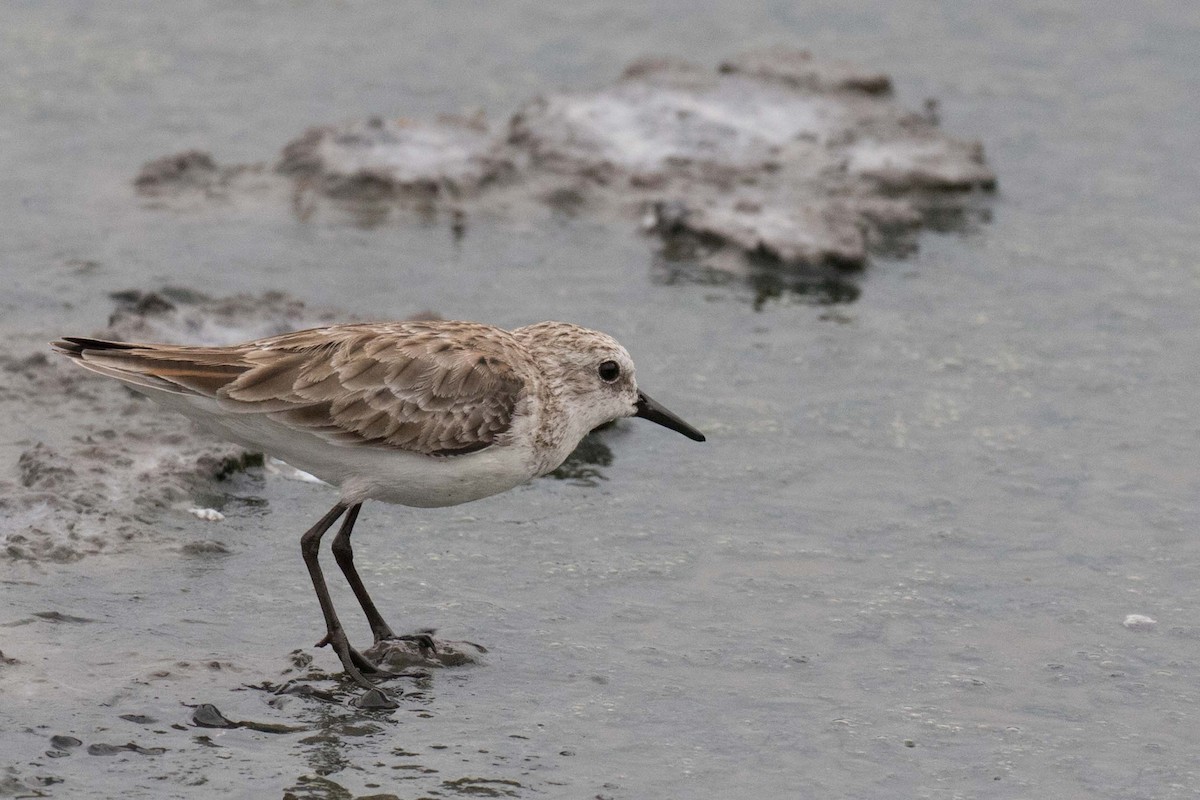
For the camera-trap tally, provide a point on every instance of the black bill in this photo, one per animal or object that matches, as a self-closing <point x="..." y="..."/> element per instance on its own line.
<point x="648" y="409"/>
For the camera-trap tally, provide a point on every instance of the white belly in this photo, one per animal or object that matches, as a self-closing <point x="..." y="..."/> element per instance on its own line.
<point x="368" y="472"/>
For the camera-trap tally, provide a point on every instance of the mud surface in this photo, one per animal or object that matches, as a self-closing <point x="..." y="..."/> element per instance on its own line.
<point x="941" y="541"/>
<point x="106" y="482"/>
<point x="109" y="463"/>
<point x="777" y="163"/>
<point x="778" y="157"/>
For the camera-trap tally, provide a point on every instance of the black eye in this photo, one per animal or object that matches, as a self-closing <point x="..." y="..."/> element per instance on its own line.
<point x="609" y="371"/>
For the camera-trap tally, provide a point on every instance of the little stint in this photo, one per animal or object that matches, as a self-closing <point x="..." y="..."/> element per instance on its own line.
<point x="426" y="414"/>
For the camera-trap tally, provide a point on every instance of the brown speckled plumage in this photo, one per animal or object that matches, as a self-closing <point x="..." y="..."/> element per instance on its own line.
<point x="435" y="388"/>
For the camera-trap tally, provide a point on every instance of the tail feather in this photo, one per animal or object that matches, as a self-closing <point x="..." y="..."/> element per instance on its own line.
<point x="167" y="368"/>
<point x="75" y="345"/>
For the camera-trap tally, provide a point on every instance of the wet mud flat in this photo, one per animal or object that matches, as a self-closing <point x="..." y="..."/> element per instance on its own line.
<point x="777" y="168"/>
<point x="941" y="542"/>
<point x="157" y="733"/>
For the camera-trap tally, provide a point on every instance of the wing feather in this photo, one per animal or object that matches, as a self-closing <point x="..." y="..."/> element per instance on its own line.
<point x="412" y="386"/>
<point x="437" y="388"/>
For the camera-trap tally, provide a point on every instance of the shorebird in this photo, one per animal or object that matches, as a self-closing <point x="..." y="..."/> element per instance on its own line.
<point x="423" y="413"/>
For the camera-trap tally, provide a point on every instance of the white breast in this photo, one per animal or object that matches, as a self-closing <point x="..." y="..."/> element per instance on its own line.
<point x="363" y="472"/>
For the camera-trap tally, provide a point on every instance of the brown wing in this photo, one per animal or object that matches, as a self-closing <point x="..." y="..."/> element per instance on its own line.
<point x="436" y="388"/>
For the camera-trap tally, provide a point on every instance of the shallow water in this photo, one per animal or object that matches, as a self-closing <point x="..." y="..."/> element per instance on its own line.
<point x="899" y="567"/>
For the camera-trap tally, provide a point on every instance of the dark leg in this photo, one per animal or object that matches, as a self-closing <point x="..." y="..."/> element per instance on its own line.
<point x="343" y="553"/>
<point x="335" y="636"/>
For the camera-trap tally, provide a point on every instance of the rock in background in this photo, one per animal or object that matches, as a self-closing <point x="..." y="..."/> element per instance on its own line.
<point x="774" y="161"/>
